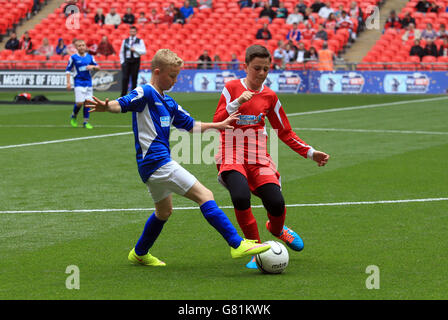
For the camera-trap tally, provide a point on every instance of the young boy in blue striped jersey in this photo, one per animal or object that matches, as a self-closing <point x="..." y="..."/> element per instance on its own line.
<point x="81" y="64"/>
<point x="153" y="112"/>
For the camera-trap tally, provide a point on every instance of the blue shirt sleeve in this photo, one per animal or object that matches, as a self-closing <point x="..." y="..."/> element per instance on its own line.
<point x="69" y="65"/>
<point x="136" y="100"/>
<point x="182" y="119"/>
<point x="93" y="61"/>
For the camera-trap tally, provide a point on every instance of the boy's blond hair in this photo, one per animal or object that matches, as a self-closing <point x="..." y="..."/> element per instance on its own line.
<point x="164" y="58"/>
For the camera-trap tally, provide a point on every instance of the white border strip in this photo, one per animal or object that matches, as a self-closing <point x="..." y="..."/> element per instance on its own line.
<point x="374" y="131"/>
<point x="368" y="106"/>
<point x="231" y="207"/>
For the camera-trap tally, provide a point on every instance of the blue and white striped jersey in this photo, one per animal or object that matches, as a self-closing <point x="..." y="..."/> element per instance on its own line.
<point x="152" y="116"/>
<point x="81" y="75"/>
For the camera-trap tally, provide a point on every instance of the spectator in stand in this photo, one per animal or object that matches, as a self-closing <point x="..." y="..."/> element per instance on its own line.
<point x="187" y="11"/>
<point x="294" y="33"/>
<point x="167" y="17"/>
<point x="141" y="20"/>
<point x="431" y="48"/>
<point x="308" y="33"/>
<point x="274" y="3"/>
<point x="13" y="43"/>
<point x="321" y="33"/>
<point x="205" y="62"/>
<point x="393" y="21"/>
<point x="407" y="19"/>
<point x="100" y="18"/>
<point x="301" y="6"/>
<point x="331" y="22"/>
<point x="92" y="47"/>
<point x="356" y="12"/>
<point x="411" y="33"/>
<point x="61" y="48"/>
<point x="291" y="53"/>
<point x="347" y="23"/>
<point x="36" y="6"/>
<point x="279" y="56"/>
<point x="129" y="17"/>
<point x="46" y="49"/>
<point x="325" y="11"/>
<point x="443" y="50"/>
<point x="235" y="63"/>
<point x="429" y="33"/>
<point x="205" y="4"/>
<point x="316" y="6"/>
<point x="282" y="12"/>
<point x="443" y="33"/>
<point x="308" y="17"/>
<point x="217" y="62"/>
<point x="113" y="18"/>
<point x="26" y="43"/>
<point x="154" y="17"/>
<point x="338" y="12"/>
<point x="301" y="53"/>
<point x="264" y="33"/>
<point x="71" y="47"/>
<point x="434" y="8"/>
<point x="245" y="3"/>
<point x="311" y="55"/>
<point x="179" y="16"/>
<point x="267" y="12"/>
<point x="417" y="50"/>
<point x="105" y="48"/>
<point x="294" y="17"/>
<point x="423" y="6"/>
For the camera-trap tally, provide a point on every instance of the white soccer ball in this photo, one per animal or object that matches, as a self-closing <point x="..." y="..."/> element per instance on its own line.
<point x="274" y="260"/>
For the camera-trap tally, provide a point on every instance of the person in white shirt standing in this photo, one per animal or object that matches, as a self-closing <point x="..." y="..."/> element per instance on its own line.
<point x="131" y="50"/>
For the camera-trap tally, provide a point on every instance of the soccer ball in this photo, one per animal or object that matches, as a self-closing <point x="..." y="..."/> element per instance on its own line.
<point x="274" y="260"/>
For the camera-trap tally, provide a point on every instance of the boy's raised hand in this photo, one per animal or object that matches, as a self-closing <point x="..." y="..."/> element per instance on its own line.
<point x="245" y="96"/>
<point x="97" y="105"/>
<point x="321" y="158"/>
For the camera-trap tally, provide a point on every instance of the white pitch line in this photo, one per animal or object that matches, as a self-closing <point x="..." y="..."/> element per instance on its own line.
<point x="56" y="126"/>
<point x="368" y="106"/>
<point x="64" y="140"/>
<point x="374" y="131"/>
<point x="231" y="207"/>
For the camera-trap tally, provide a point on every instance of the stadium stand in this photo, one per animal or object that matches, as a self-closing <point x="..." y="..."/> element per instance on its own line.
<point x="391" y="52"/>
<point x="223" y="30"/>
<point x="12" y="12"/>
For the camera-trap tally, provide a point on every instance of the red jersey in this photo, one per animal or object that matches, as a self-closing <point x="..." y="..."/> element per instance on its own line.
<point x="251" y="126"/>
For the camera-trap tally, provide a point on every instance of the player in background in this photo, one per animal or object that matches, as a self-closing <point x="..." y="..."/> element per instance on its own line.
<point x="244" y="165"/>
<point x="82" y="63"/>
<point x="153" y="112"/>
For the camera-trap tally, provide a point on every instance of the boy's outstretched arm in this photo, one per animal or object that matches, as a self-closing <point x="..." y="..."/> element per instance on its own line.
<point x="96" y="105"/>
<point x="222" y="125"/>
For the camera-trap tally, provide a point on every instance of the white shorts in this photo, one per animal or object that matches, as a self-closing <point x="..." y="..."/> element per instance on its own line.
<point x="83" y="93"/>
<point x="169" y="178"/>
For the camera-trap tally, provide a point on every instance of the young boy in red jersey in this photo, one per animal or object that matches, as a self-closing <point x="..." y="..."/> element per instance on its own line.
<point x="243" y="162"/>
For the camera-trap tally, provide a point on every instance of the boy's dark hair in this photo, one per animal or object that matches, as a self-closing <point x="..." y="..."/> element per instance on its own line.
<point x="257" y="51"/>
<point x="134" y="27"/>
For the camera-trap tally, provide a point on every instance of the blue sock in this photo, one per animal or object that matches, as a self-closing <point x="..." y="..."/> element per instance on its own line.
<point x="86" y="114"/>
<point x="218" y="219"/>
<point x="75" y="110"/>
<point x="152" y="229"/>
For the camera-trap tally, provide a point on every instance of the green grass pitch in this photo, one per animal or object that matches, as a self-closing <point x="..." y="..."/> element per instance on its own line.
<point x="56" y="202"/>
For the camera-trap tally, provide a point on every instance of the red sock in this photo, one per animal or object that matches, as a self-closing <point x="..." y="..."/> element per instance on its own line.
<point x="248" y="224"/>
<point x="277" y="223"/>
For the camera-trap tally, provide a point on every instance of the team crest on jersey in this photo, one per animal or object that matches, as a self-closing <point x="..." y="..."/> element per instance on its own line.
<point x="165" y="121"/>
<point x="245" y="120"/>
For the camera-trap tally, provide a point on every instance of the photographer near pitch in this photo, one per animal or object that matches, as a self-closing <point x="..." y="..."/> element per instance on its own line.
<point x="131" y="50"/>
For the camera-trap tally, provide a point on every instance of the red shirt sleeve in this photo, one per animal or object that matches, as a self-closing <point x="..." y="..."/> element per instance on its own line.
<point x="279" y="121"/>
